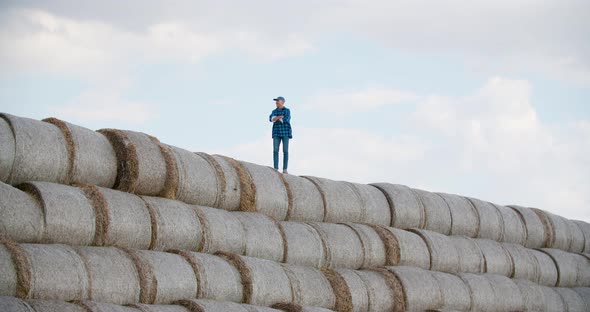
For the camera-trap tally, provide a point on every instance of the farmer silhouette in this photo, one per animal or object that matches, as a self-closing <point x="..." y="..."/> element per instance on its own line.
<point x="281" y="132"/>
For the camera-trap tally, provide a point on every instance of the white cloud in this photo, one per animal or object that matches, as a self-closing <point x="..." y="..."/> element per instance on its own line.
<point x="365" y="100"/>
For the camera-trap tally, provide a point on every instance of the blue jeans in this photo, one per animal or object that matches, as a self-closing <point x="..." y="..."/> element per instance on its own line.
<point x="276" y="141"/>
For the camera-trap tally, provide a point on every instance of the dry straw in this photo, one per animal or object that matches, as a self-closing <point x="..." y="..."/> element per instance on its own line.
<point x="343" y="203"/>
<point x="547" y="272"/>
<point x="443" y="254"/>
<point x="572" y="300"/>
<point x="421" y="290"/>
<point x="464" y="218"/>
<point x="69" y="217"/>
<point x="344" y="247"/>
<point x="21" y="215"/>
<point x="437" y="212"/>
<point x="177" y="224"/>
<point x="375" y="205"/>
<point x="262" y="235"/>
<point x="223" y="231"/>
<point x="272" y="196"/>
<point x="407" y="210"/>
<point x="246" y="185"/>
<point x="310" y="287"/>
<point x="355" y="291"/>
<point x="373" y="246"/>
<point x="497" y="259"/>
<point x="92" y="159"/>
<point x="455" y="293"/>
<point x="535" y="231"/>
<point x="381" y="291"/>
<point x="308" y="203"/>
<point x="306" y="247"/>
<point x="514" y="230"/>
<point x="342" y="291"/>
<point x="471" y="259"/>
<point x="40" y="151"/>
<point x="491" y="224"/>
<point x="7" y="146"/>
<point x="15" y="279"/>
<point x="524" y="262"/>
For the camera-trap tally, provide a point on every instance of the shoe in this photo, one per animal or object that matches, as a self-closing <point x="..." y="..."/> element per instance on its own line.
<point x="285" y="171"/>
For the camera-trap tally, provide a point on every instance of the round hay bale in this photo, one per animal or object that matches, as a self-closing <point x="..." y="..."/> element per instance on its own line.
<point x="547" y="271"/>
<point x="177" y="224"/>
<point x="232" y="191"/>
<point x="217" y="279"/>
<point x="223" y="231"/>
<point x="272" y="198"/>
<point x="443" y="254"/>
<point x="560" y="236"/>
<point x="8" y="148"/>
<point x="69" y="216"/>
<point x="21" y="216"/>
<point x="292" y="307"/>
<point x="437" y="212"/>
<point x="308" y="203"/>
<point x="578" y="241"/>
<point x="112" y="274"/>
<point x="405" y="248"/>
<point x="455" y="293"/>
<point x="421" y="291"/>
<point x="482" y="292"/>
<point x="342" y="291"/>
<point x="584" y="293"/>
<point x="247" y="188"/>
<point x="174" y="278"/>
<point x="95" y="306"/>
<point x="407" y="210"/>
<point x="572" y="269"/>
<point x="94" y="161"/>
<point x="344" y="248"/>
<point x="343" y="203"/>
<point x="9" y="273"/>
<point x="306" y="247"/>
<point x="383" y="289"/>
<point x="571" y="299"/>
<point x="585" y="228"/>
<point x="310" y="287"/>
<point x="375" y="205"/>
<point x="353" y="290"/>
<point x="464" y="218"/>
<point x="491" y="225"/>
<point x="508" y="296"/>
<point x="159" y="308"/>
<point x="497" y="259"/>
<point x="513" y="227"/>
<point x="471" y="258"/>
<point x="55" y="306"/>
<point x="262" y="236"/>
<point x="553" y="301"/>
<point x="373" y="245"/>
<point x="524" y="263"/>
<point x="535" y="231"/>
<point x="532" y="295"/>
<point x="40" y="151"/>
<point x="56" y="272"/>
<point x="12" y="304"/>
<point x="197" y="178"/>
<point x="204" y="305"/>
<point x="220" y="179"/>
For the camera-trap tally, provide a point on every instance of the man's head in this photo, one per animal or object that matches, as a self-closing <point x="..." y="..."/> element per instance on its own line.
<point x="280" y="101"/>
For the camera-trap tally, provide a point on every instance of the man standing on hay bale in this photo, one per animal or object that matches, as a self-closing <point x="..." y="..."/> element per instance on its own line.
<point x="281" y="131"/>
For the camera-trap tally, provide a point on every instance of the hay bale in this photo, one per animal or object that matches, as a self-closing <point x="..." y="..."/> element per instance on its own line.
<point x="355" y="291"/>
<point x="571" y="299"/>
<point x="344" y="248"/>
<point x="437" y="212"/>
<point x="383" y="289"/>
<point x="535" y="231"/>
<point x="223" y="231"/>
<point x="8" y="272"/>
<point x="482" y="292"/>
<point x="405" y="248"/>
<point x="464" y="218"/>
<point x="559" y="236"/>
<point x="553" y="301"/>
<point x="343" y="203"/>
<point x="159" y="308"/>
<point x="585" y="228"/>
<point x="407" y="210"/>
<point x="217" y="279"/>
<point x="310" y="287"/>
<point x="513" y="229"/>
<point x="197" y="178"/>
<point x="471" y="259"/>
<point x="373" y="245"/>
<point x="272" y="197"/>
<point x="491" y="225"/>
<point x="176" y="224"/>
<point x="375" y="205"/>
<point x="508" y="296"/>
<point x="584" y="293"/>
<point x="8" y="148"/>
<point x="40" y="151"/>
<point x="308" y="202"/>
<point x="12" y="304"/>
<point x="572" y="269"/>
<point x="578" y="240"/>
<point x="524" y="263"/>
<point x="232" y="192"/>
<point x="55" y="306"/>
<point x="292" y="307"/>
<point x="95" y="306"/>
<point x="454" y="292"/>
<point x="246" y="186"/>
<point x="21" y="217"/>
<point x="56" y="272"/>
<point x="497" y="259"/>
<point x="69" y="216"/>
<point x="94" y="161"/>
<point x="203" y="305"/>
<point x="112" y="274"/>
<point x="262" y="235"/>
<point x="421" y="291"/>
<point x="547" y="269"/>
<point x="532" y="295"/>
<point x="342" y="290"/>
<point x="443" y="254"/>
<point x="306" y="247"/>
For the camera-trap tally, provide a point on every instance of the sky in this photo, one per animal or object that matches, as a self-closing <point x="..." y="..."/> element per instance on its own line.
<point x="487" y="99"/>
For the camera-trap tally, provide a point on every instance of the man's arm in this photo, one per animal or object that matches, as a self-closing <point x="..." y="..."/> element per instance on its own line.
<point x="287" y="117"/>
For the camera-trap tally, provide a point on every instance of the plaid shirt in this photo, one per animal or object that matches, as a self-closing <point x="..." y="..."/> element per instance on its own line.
<point x="281" y="128"/>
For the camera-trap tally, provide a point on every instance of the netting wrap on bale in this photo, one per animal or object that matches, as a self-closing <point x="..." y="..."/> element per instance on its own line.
<point x="197" y="178"/>
<point x="12" y="304"/>
<point x="585" y="229"/>
<point x="343" y="203"/>
<point x="471" y="259"/>
<point x="403" y="247"/>
<point x="374" y="254"/>
<point x="508" y="296"/>
<point x="436" y="210"/>
<point x="524" y="262"/>
<point x="563" y="233"/>
<point x="572" y="269"/>
<point x="535" y="231"/>
<point x="532" y="295"/>
<point x="455" y="293"/>
<point x="307" y="201"/>
<point x="513" y="229"/>
<point x="571" y="299"/>
<point x="376" y="208"/>
<point x="407" y="210"/>
<point x="355" y="291"/>
<point x="306" y="247"/>
<point x="21" y="216"/>
<point x="421" y="291"/>
<point x="56" y="306"/>
<point x="383" y="289"/>
<point x="497" y="259"/>
<point x="272" y="197"/>
<point x="310" y="287"/>
<point x="547" y="269"/>
<point x="8" y="147"/>
<point x="263" y="236"/>
<point x="491" y="225"/>
<point x="223" y="231"/>
<point x="464" y="218"/>
<point x="344" y="248"/>
<point x="443" y="254"/>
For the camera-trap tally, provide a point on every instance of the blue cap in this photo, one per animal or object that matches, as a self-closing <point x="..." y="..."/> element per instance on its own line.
<point x="279" y="98"/>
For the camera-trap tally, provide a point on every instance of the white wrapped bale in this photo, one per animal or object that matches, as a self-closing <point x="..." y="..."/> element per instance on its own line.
<point x="40" y="151"/>
<point x="174" y="224"/>
<point x="513" y="227"/>
<point x="343" y="203"/>
<point x="572" y="269"/>
<point x="21" y="216"/>
<point x="585" y="228"/>
<point x="373" y="245"/>
<point x="355" y="290"/>
<point x="272" y="197"/>
<point x="344" y="249"/>
<point x="197" y="179"/>
<point x="404" y="247"/>
<point x="497" y="259"/>
<point x="305" y="245"/>
<point x="233" y="183"/>
<point x="508" y="296"/>
<point x="92" y="159"/>
<point x="584" y="293"/>
<point x="310" y="287"/>
<point x="524" y="263"/>
<point x="8" y="148"/>
<point x="407" y="210"/>
<point x="223" y="231"/>
<point x="204" y="305"/>
<point x="308" y="203"/>
<point x="491" y="225"/>
<point x="532" y="295"/>
<point x="464" y="217"/>
<point x="292" y="307"/>
<point x="375" y="206"/>
<point x="69" y="216"/>
<point x="95" y="306"/>
<point x="560" y="233"/>
<point x="553" y="301"/>
<point x="547" y="272"/>
<point x="12" y="304"/>
<point x="437" y="212"/>
<point x="112" y="274"/>
<point x="535" y="231"/>
<point x="217" y="279"/>
<point x="383" y="288"/>
<point x="56" y="306"/>
<point x="471" y="258"/>
<point x="573" y="302"/>
<point x="14" y="275"/>
<point x="263" y="236"/>
<point x="455" y="293"/>
<point x="159" y="308"/>
<point x="578" y="240"/>
<point x="482" y="292"/>
<point x="421" y="291"/>
<point x="443" y="254"/>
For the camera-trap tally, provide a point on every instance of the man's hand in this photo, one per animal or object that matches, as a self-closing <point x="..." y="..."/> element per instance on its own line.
<point x="277" y="118"/>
